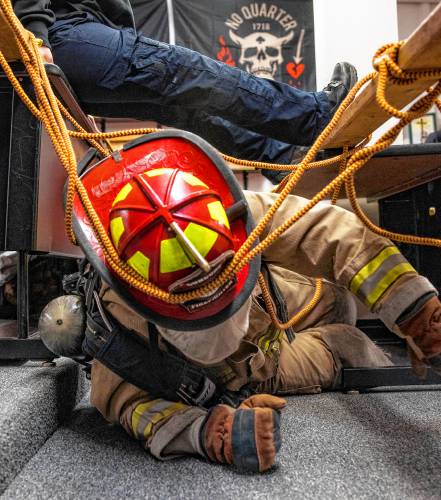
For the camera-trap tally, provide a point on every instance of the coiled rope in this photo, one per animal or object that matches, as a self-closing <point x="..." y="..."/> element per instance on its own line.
<point x="51" y="113"/>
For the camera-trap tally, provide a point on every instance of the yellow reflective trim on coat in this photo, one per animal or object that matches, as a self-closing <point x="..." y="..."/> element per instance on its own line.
<point x="161" y="416"/>
<point x="157" y="171"/>
<point x="116" y="230"/>
<point x="193" y="180"/>
<point x="385" y="283"/>
<point x="172" y="255"/>
<point x="371" y="267"/>
<point x="140" y="263"/>
<point x="138" y="412"/>
<point x="122" y="195"/>
<point x="270" y="340"/>
<point x="217" y="213"/>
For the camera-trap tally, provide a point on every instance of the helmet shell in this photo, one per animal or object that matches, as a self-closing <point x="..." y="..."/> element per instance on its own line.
<point x="142" y="218"/>
<point x="178" y="156"/>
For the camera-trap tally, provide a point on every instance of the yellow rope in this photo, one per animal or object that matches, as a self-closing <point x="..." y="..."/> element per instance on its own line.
<point x="297" y="317"/>
<point x="342" y="167"/>
<point x="48" y="111"/>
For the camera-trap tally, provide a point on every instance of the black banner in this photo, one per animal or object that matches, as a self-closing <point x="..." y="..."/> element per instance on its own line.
<point x="272" y="39"/>
<point x="151" y="17"/>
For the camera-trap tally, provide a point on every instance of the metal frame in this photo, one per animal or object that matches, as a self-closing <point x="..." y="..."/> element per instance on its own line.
<point x="363" y="379"/>
<point x="31" y="218"/>
<point x="23" y="347"/>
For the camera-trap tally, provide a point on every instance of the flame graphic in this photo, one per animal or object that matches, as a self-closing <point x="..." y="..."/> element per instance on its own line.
<point x="224" y="53"/>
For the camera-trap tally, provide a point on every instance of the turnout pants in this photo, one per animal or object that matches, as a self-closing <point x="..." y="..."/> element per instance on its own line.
<point x="328" y="242"/>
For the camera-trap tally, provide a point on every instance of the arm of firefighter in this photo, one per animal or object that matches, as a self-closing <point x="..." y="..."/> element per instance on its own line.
<point x="166" y="428"/>
<point x="36" y="16"/>
<point x="368" y="265"/>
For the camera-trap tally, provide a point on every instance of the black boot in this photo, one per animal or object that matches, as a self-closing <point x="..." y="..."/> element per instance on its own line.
<point x="343" y="79"/>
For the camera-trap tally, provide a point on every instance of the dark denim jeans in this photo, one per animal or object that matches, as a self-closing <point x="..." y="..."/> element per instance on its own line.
<point x="118" y="73"/>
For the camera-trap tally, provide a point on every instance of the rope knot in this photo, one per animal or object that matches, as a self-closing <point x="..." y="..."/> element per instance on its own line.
<point x="385" y="61"/>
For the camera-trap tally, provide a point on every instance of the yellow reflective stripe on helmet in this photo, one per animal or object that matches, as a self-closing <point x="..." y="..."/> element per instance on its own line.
<point x="201" y="237"/>
<point x="217" y="212"/>
<point x="172" y="255"/>
<point x="116" y="230"/>
<point x="192" y="180"/>
<point x="140" y="263"/>
<point x="385" y="283"/>
<point x="371" y="267"/>
<point x="157" y="171"/>
<point x="122" y="195"/>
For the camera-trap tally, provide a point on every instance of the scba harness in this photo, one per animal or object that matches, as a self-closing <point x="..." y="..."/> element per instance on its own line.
<point x="162" y="372"/>
<point x="92" y="333"/>
<point x="78" y="326"/>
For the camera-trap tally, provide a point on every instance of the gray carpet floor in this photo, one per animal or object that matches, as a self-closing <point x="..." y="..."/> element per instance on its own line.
<point x="34" y="401"/>
<point x="377" y="445"/>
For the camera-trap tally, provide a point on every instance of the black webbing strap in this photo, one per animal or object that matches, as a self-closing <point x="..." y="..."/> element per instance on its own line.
<point x="279" y="300"/>
<point x="144" y="364"/>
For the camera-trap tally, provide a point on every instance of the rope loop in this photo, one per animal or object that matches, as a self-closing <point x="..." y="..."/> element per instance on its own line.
<point x="385" y="62"/>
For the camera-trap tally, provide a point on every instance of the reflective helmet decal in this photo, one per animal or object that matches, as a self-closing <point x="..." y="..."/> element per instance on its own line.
<point x="157" y="214"/>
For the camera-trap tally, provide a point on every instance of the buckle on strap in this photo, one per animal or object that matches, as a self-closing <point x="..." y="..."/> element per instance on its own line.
<point x="199" y="396"/>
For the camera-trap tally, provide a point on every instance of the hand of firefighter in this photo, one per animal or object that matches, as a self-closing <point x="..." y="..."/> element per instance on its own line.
<point x="423" y="335"/>
<point x="264" y="401"/>
<point x="46" y="54"/>
<point x="248" y="437"/>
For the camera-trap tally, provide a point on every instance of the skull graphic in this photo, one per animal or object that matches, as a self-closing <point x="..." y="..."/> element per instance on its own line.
<point x="261" y="53"/>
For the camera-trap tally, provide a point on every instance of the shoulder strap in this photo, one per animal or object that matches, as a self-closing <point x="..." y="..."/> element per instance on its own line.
<point x="279" y="300"/>
<point x="144" y="364"/>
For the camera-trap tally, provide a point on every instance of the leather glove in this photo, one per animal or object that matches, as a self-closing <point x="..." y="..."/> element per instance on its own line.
<point x="423" y="332"/>
<point x="248" y="437"/>
<point x="264" y="401"/>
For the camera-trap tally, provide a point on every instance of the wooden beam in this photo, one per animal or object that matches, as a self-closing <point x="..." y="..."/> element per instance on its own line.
<point x="422" y="50"/>
<point x="8" y="44"/>
<point x="397" y="169"/>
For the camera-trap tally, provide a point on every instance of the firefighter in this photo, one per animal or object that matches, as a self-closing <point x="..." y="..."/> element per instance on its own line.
<point x="204" y="377"/>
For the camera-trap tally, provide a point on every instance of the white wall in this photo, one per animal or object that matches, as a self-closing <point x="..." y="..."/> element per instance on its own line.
<point x="351" y="30"/>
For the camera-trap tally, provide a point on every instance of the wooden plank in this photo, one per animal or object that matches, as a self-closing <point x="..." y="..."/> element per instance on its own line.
<point x="422" y="50"/>
<point x="8" y="44"/>
<point x="392" y="171"/>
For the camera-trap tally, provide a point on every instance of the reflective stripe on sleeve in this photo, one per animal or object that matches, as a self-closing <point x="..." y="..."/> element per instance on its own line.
<point x="379" y="274"/>
<point x="146" y="415"/>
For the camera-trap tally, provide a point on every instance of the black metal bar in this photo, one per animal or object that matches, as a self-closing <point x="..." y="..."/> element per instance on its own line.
<point x="391" y="376"/>
<point x="23" y="294"/>
<point x="378" y="333"/>
<point x="20" y="349"/>
<point x="245" y="180"/>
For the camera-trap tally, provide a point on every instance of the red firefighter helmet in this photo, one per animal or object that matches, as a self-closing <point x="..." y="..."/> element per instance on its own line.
<point x="176" y="215"/>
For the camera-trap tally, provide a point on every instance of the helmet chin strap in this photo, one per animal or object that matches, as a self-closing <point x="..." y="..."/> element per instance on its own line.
<point x="190" y="250"/>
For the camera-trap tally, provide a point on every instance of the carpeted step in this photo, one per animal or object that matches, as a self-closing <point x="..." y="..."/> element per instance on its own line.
<point x="34" y="401"/>
<point x="378" y="445"/>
